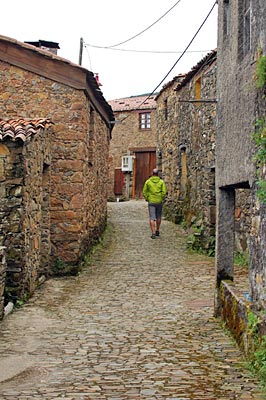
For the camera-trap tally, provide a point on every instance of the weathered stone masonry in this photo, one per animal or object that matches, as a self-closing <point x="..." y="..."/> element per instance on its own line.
<point x="186" y="121"/>
<point x="35" y="83"/>
<point x="24" y="203"/>
<point x="240" y="103"/>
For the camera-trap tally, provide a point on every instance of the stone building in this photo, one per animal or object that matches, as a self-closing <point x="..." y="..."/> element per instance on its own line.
<point x="25" y="161"/>
<point x="34" y="84"/>
<point x="134" y="142"/>
<point x="186" y="125"/>
<point x="241" y="43"/>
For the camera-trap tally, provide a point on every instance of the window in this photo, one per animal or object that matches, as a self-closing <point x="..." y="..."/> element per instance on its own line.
<point x="226" y="18"/>
<point x="244" y="28"/>
<point x="165" y="109"/>
<point x="92" y="113"/>
<point x="145" y="120"/>
<point x="91" y="143"/>
<point x="198" y="89"/>
<point x="184" y="178"/>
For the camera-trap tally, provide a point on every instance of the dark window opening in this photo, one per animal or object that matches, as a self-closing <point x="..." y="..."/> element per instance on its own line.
<point x="91" y="137"/>
<point x="244" y="28"/>
<point x="226" y="19"/>
<point x="165" y="109"/>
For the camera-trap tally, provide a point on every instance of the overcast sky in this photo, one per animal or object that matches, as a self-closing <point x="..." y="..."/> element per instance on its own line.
<point x="106" y="23"/>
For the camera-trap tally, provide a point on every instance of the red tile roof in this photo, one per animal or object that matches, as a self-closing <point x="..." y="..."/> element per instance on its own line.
<point x="141" y="102"/>
<point x="22" y="128"/>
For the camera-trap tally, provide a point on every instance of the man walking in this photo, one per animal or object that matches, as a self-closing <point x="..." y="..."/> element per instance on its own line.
<point x="154" y="191"/>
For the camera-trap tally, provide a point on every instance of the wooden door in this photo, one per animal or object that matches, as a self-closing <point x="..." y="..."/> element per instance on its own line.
<point x="119" y="182"/>
<point x="144" y="164"/>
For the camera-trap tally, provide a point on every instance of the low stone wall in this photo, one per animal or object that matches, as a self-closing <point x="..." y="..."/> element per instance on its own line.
<point x="2" y="280"/>
<point x="234" y="312"/>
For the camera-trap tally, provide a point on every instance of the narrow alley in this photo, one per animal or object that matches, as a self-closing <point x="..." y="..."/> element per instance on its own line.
<point x="137" y="323"/>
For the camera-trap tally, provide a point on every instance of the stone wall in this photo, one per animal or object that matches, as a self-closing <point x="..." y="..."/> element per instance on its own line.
<point x="257" y="271"/>
<point x="79" y="147"/>
<point x="240" y="103"/>
<point x="186" y="142"/>
<point x="24" y="209"/>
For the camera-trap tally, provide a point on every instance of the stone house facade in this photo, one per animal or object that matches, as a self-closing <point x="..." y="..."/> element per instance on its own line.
<point x="25" y="161"/>
<point x="134" y="141"/>
<point x="38" y="84"/>
<point x="186" y="126"/>
<point x="241" y="43"/>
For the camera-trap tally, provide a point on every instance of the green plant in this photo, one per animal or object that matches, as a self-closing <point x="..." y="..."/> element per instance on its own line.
<point x="253" y="322"/>
<point x="260" y="131"/>
<point x="211" y="248"/>
<point x="241" y="259"/>
<point x="59" y="265"/>
<point x="199" y="242"/>
<point x="257" y="361"/>
<point x="61" y="268"/>
<point x="19" y="302"/>
<point x="259" y="136"/>
<point x="261" y="192"/>
<point x="261" y="72"/>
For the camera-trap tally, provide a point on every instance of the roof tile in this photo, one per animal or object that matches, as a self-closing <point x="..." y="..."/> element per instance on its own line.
<point x="133" y="103"/>
<point x="22" y="128"/>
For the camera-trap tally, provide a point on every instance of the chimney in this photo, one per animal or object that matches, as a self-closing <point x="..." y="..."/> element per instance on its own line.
<point x="96" y="76"/>
<point x="46" y="45"/>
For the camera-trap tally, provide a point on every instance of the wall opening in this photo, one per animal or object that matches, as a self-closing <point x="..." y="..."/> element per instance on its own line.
<point x="45" y="250"/>
<point x="184" y="178"/>
<point x="233" y="207"/>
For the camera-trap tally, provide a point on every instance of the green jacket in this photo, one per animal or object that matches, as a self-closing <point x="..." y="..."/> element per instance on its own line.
<point x="154" y="190"/>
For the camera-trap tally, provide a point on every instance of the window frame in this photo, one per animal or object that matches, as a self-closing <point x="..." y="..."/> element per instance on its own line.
<point x="145" y="120"/>
<point x="244" y="28"/>
<point x="226" y="18"/>
<point x="166" y="109"/>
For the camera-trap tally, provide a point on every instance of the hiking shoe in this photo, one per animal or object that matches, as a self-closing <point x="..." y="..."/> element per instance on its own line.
<point x="157" y="233"/>
<point x="153" y="236"/>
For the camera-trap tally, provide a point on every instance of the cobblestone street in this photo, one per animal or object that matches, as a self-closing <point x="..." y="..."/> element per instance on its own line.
<point x="137" y="323"/>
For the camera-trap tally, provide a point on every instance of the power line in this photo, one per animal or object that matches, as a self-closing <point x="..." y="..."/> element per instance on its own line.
<point x="179" y="58"/>
<point x="183" y="53"/>
<point x="145" y="51"/>
<point x="140" y="33"/>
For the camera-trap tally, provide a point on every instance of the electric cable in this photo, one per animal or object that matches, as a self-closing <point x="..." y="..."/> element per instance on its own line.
<point x="179" y="58"/>
<point x="145" y="51"/>
<point x="140" y="33"/>
<point x="88" y="56"/>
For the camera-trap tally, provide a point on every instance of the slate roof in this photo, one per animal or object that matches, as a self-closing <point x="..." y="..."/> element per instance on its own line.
<point x="133" y="103"/>
<point x="182" y="79"/>
<point x="205" y="61"/>
<point x="22" y="128"/>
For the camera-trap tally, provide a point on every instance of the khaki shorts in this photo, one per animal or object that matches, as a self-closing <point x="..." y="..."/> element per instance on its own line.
<point x="155" y="211"/>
